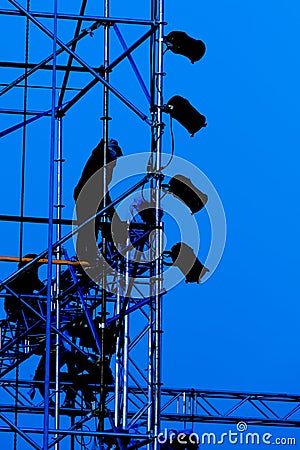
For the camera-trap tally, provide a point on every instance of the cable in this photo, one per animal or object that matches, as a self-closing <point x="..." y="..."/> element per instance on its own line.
<point x="80" y="439"/>
<point x="150" y="167"/>
<point x="21" y="230"/>
<point x="22" y="201"/>
<point x="172" y="144"/>
<point x="143" y="188"/>
<point x="158" y="89"/>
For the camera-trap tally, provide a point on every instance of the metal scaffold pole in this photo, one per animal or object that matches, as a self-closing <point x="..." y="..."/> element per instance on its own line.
<point x="157" y="140"/>
<point x="50" y="236"/>
<point x="93" y="343"/>
<point x="59" y="207"/>
<point x="105" y="120"/>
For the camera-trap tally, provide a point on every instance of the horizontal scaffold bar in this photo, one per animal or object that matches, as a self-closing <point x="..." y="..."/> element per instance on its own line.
<point x="21" y="65"/>
<point x="83" y="433"/>
<point x="27" y="219"/>
<point x="104" y="20"/>
<point x="76" y="57"/>
<point x="72" y="233"/>
<point x="21" y="112"/>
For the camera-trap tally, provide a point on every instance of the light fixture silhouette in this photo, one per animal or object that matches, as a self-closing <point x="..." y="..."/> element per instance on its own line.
<point x="181" y="110"/>
<point x="184" y="258"/>
<point x="182" y="44"/>
<point x="186" y="191"/>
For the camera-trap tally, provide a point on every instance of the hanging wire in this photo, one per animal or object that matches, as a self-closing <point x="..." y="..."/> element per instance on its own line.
<point x="81" y="439"/>
<point x="158" y="88"/>
<point x="172" y="144"/>
<point x="22" y="198"/>
<point x="23" y="160"/>
<point x="150" y="166"/>
<point x="142" y="192"/>
<point x="150" y="162"/>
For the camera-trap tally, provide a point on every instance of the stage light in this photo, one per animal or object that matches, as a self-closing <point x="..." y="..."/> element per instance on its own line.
<point x="182" y="44"/>
<point x="184" y="189"/>
<point x="182" y="111"/>
<point x="185" y="259"/>
<point x="146" y="210"/>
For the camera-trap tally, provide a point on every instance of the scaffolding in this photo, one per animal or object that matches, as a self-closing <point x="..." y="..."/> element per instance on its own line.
<point x="111" y="322"/>
<point x="73" y="316"/>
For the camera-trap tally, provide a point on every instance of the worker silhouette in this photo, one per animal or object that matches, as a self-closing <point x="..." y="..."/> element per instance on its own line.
<point x="83" y="374"/>
<point x="66" y="358"/>
<point x="26" y="283"/>
<point x="87" y="379"/>
<point x="90" y="194"/>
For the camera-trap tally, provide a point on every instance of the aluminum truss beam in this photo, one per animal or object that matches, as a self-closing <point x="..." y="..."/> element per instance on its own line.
<point x="204" y="406"/>
<point x="256" y="408"/>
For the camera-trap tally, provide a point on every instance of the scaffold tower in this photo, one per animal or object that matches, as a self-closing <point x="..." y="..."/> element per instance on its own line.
<point x="81" y="351"/>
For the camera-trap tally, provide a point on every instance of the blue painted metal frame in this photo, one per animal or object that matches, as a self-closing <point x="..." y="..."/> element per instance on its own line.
<point x="133" y="64"/>
<point x="84" y="306"/>
<point x="120" y="96"/>
<point x="28" y="121"/>
<point x="72" y="233"/>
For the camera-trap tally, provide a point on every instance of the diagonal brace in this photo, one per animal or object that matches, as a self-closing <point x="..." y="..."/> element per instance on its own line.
<point x="20" y="432"/>
<point x="120" y="96"/>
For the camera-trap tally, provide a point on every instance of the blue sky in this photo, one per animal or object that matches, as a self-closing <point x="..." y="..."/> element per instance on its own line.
<point x="239" y="330"/>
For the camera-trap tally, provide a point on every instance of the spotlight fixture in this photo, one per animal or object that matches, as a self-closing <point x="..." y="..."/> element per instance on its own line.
<point x="181" y="110"/>
<point x="185" y="190"/>
<point x="148" y="215"/>
<point x="182" y="44"/>
<point x="146" y="211"/>
<point x="185" y="259"/>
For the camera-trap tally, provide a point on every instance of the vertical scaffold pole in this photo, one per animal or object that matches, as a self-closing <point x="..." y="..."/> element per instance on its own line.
<point x="118" y="365"/>
<point x="50" y="233"/>
<point x="59" y="206"/>
<point x="158" y="224"/>
<point x="150" y="420"/>
<point x="105" y="119"/>
<point x="126" y="345"/>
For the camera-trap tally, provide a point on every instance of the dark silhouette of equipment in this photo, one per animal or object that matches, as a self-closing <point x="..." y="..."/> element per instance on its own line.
<point x="146" y="211"/>
<point x="26" y="283"/>
<point x="185" y="259"/>
<point x="181" y="110"/>
<point x="183" y="188"/>
<point x="181" y="43"/>
<point x="79" y="328"/>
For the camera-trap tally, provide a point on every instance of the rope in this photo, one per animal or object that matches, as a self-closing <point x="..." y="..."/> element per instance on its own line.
<point x="21" y="234"/>
<point x="172" y="145"/>
<point x="22" y="201"/>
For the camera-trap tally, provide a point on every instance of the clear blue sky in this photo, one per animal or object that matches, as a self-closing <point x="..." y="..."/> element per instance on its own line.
<point x="239" y="330"/>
